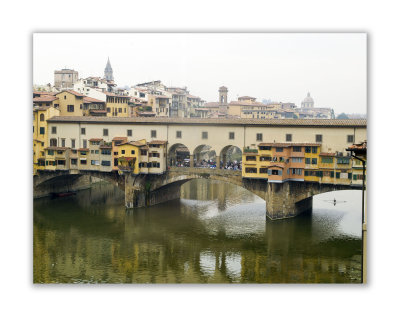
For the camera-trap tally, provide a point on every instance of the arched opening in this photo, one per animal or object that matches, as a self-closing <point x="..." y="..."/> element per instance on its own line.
<point x="204" y="156"/>
<point x="41" y="117"/>
<point x="231" y="158"/>
<point x="178" y="155"/>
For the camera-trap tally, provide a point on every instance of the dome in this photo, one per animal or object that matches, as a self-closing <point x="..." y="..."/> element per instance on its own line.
<point x="308" y="102"/>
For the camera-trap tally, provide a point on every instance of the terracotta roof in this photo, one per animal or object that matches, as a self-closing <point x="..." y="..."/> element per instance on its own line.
<point x="72" y="92"/>
<point x="192" y="97"/>
<point x="83" y="149"/>
<point x="327" y="154"/>
<point x="246" y="97"/>
<point x="157" y="142"/>
<point x="135" y="143"/>
<point x="358" y="147"/>
<point x="115" y="95"/>
<point x="120" y="138"/>
<point x="277" y="165"/>
<point x="105" y="147"/>
<point x="57" y="148"/>
<point x="41" y="108"/>
<point x="45" y="98"/>
<point x="211" y="105"/>
<point x="97" y="111"/>
<point x="95" y="139"/>
<point x="216" y="121"/>
<point x="92" y="100"/>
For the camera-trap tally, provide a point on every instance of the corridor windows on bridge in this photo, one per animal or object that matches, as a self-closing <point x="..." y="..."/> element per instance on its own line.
<point x="105" y="132"/>
<point x="231" y="135"/>
<point x="350" y="139"/>
<point x="42" y="130"/>
<point x="63" y="142"/>
<point x="288" y="138"/>
<point x="129" y="132"/>
<point x="153" y="133"/>
<point x="53" y="142"/>
<point x="204" y="135"/>
<point x="179" y="134"/>
<point x="83" y="131"/>
<point x="72" y="143"/>
<point x="259" y="137"/>
<point x="318" y="138"/>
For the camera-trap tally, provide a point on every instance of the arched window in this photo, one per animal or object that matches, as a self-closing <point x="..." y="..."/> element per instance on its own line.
<point x="41" y="117"/>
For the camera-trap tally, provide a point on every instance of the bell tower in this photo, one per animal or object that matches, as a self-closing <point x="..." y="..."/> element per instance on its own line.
<point x="108" y="71"/>
<point x="223" y="95"/>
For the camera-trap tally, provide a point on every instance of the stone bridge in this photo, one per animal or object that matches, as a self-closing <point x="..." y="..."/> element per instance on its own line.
<point x="283" y="200"/>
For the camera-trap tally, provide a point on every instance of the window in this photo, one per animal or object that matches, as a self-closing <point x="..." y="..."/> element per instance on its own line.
<point x="83" y="162"/>
<point x="80" y="106"/>
<point x="42" y="117"/>
<point x="297" y="171"/>
<point x="251" y="158"/>
<point x="74" y="161"/>
<point x="326" y="160"/>
<point x="119" y="110"/>
<point x="83" y="131"/>
<point x="315" y="149"/>
<point x="42" y="130"/>
<point x="274" y="172"/>
<point x="350" y="139"/>
<point x="73" y="143"/>
<point x="105" y="132"/>
<point x="129" y="132"/>
<point x="265" y="158"/>
<point x="53" y="130"/>
<point x="308" y="160"/>
<point x="53" y="142"/>
<point x="263" y="170"/>
<point x="132" y="151"/>
<point x="231" y="135"/>
<point x="63" y="142"/>
<point x="343" y="160"/>
<point x="314" y="161"/>
<point x="297" y="149"/>
<point x="108" y="109"/>
<point x="153" y="133"/>
<point x="288" y="138"/>
<point x="178" y="134"/>
<point x="297" y="160"/>
<point x="143" y="152"/>
<point x="279" y="149"/>
<point x="70" y="108"/>
<point x="308" y="149"/>
<point x="265" y="148"/>
<point x="122" y="151"/>
<point x="204" y="135"/>
<point x="251" y="170"/>
<point x="259" y="136"/>
<point x="85" y="144"/>
<point x="50" y="152"/>
<point x="94" y="162"/>
<point x="115" y="162"/>
<point x="65" y="97"/>
<point x="105" y="163"/>
<point x="318" y="138"/>
<point x="332" y="174"/>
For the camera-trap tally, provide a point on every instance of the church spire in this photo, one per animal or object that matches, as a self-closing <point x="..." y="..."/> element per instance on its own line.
<point x="108" y="71"/>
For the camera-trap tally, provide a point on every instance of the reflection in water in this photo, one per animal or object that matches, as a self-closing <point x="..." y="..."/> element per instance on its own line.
<point x="216" y="233"/>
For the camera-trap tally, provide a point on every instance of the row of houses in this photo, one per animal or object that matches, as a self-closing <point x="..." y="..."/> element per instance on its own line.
<point x="280" y="162"/>
<point x="136" y="157"/>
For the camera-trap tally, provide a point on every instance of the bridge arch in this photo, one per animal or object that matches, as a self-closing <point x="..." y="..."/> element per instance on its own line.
<point x="204" y="156"/>
<point x="231" y="156"/>
<point x="178" y="154"/>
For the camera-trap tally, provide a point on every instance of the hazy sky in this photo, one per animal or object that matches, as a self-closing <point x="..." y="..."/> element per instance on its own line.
<point x="280" y="67"/>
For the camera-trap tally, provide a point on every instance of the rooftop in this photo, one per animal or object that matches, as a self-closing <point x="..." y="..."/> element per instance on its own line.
<point x="214" y="121"/>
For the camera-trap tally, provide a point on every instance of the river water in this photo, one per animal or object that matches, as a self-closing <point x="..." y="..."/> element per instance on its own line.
<point x="216" y="233"/>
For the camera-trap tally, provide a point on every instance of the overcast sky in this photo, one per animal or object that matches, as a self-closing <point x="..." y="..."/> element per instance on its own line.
<point x="280" y="67"/>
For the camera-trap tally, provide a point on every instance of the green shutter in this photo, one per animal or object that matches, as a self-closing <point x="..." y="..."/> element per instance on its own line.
<point x="332" y="175"/>
<point x="349" y="175"/>
<point x="337" y="174"/>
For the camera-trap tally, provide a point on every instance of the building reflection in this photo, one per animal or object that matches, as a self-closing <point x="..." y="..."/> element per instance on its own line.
<point x="170" y="244"/>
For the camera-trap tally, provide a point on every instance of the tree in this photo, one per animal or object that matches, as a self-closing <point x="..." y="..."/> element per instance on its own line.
<point x="342" y="116"/>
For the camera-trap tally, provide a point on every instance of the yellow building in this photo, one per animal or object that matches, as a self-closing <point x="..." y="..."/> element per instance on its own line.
<point x="160" y="105"/>
<point x="57" y="158"/>
<point x="311" y="168"/>
<point x="70" y="103"/>
<point x="129" y="155"/>
<point x="117" y="105"/>
<point x="40" y="134"/>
